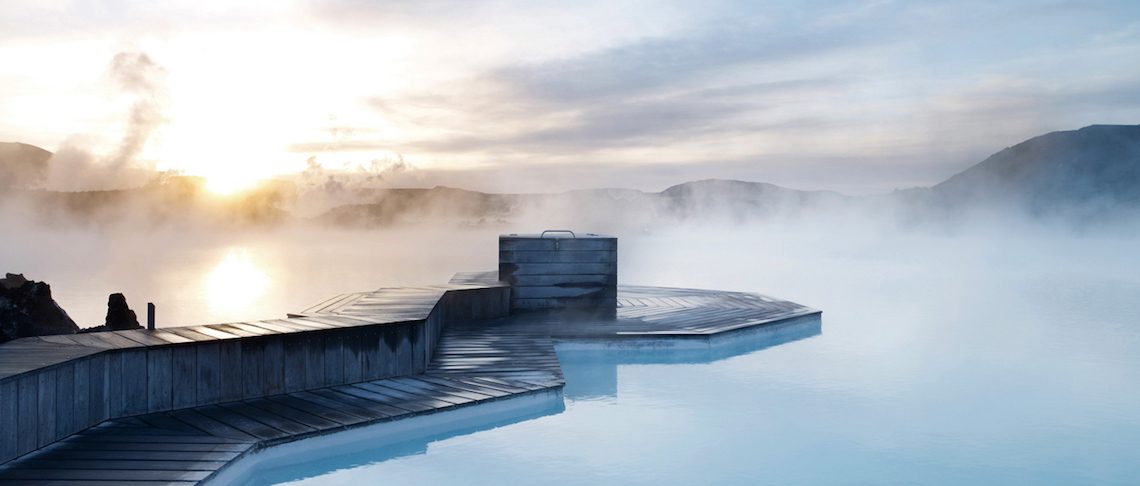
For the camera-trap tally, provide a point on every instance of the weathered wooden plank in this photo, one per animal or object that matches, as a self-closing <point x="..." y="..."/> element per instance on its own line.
<point x="334" y="358"/>
<point x="419" y="388"/>
<point x="116" y="396"/>
<point x="69" y="453"/>
<point x="9" y="417"/>
<point x="253" y="330"/>
<point x="529" y="304"/>
<point x="230" y="364"/>
<point x="418" y="342"/>
<point x="99" y="340"/>
<point x="286" y="426"/>
<point x="209" y="425"/>
<point x="252" y="372"/>
<point x="103" y="475"/>
<point x="81" y="482"/>
<point x="122" y="464"/>
<point x="295" y="361"/>
<point x="45" y="417"/>
<point x="160" y="446"/>
<point x="405" y="364"/>
<point x="271" y="326"/>
<point x="577" y="292"/>
<point x="563" y="279"/>
<point x="466" y="386"/>
<point x="506" y="270"/>
<point x="213" y="332"/>
<point x="338" y="401"/>
<point x="134" y="382"/>
<point x="170" y="337"/>
<point x="314" y="422"/>
<point x="273" y="367"/>
<point x="364" y="399"/>
<point x="379" y="399"/>
<point x="558" y="256"/>
<point x="191" y="334"/>
<point x="340" y="417"/>
<point x="99" y="396"/>
<point x="404" y="399"/>
<point x="304" y="324"/>
<point x="207" y="373"/>
<point x="143" y="337"/>
<point x="531" y="243"/>
<point x="60" y="339"/>
<point x="81" y="389"/>
<point x="64" y="400"/>
<point x="351" y="363"/>
<point x="371" y="345"/>
<point x="241" y="422"/>
<point x="27" y="428"/>
<point x="164" y="424"/>
<point x="314" y="366"/>
<point x="159" y="379"/>
<point x="232" y="330"/>
<point x="185" y="386"/>
<point x="444" y="386"/>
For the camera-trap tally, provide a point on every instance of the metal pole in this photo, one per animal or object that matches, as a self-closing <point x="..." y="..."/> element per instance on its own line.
<point x="150" y="316"/>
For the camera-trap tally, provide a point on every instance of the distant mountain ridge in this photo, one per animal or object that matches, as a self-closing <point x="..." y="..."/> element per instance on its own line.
<point x="22" y="165"/>
<point x="1092" y="172"/>
<point x="1091" y="169"/>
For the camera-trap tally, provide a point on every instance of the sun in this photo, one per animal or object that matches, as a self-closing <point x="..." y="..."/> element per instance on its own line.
<point x="235" y="281"/>
<point x="229" y="184"/>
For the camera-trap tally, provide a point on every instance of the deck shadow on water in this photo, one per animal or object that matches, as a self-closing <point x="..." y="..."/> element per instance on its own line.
<point x="309" y="458"/>
<point x="590" y="368"/>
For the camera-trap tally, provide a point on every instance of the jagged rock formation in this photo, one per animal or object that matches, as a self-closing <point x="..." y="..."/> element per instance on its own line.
<point x="27" y="309"/>
<point x="120" y="317"/>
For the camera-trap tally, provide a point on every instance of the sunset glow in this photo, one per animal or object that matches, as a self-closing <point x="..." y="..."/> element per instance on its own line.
<point x="854" y="97"/>
<point x="235" y="282"/>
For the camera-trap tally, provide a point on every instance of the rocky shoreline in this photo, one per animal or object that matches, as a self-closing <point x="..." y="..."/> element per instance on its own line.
<point x="27" y="309"/>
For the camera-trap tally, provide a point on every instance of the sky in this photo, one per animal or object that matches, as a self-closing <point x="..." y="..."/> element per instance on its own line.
<point x="533" y="96"/>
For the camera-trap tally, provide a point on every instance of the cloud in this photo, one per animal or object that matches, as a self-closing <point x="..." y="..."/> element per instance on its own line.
<point x="630" y="82"/>
<point x="653" y="64"/>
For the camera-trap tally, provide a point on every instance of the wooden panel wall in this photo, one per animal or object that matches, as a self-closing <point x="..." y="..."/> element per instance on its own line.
<point x="42" y="406"/>
<point x="560" y="273"/>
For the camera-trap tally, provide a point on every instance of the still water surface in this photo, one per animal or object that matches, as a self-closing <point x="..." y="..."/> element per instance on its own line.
<point x="968" y="360"/>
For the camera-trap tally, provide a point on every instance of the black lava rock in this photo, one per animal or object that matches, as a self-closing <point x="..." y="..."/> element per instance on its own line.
<point x="120" y="317"/>
<point x="27" y="309"/>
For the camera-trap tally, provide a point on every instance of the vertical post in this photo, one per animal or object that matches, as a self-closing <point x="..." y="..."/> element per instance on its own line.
<point x="150" y="316"/>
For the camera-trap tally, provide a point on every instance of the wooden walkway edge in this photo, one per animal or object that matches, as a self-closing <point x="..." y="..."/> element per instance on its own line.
<point x="476" y="361"/>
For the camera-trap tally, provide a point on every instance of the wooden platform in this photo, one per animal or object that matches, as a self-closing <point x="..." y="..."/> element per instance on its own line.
<point x="475" y="361"/>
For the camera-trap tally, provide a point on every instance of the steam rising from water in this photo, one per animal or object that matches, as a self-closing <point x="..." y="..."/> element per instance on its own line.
<point x="199" y="275"/>
<point x="320" y="188"/>
<point x="75" y="166"/>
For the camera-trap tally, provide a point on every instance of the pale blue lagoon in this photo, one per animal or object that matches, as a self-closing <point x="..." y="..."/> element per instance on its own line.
<point x="939" y="361"/>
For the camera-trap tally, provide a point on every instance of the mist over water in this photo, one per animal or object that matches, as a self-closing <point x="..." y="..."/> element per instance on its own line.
<point x="199" y="274"/>
<point x="989" y="356"/>
<point x="993" y="350"/>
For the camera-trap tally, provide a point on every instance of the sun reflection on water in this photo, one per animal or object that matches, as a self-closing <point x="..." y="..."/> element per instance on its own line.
<point x="235" y="282"/>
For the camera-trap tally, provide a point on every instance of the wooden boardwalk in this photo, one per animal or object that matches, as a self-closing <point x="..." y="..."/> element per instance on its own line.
<point x="475" y="361"/>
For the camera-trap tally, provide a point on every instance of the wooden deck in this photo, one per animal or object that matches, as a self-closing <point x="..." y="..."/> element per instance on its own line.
<point x="475" y="361"/>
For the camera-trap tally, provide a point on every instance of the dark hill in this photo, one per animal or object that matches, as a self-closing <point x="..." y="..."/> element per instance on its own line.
<point x="22" y="166"/>
<point x="1089" y="171"/>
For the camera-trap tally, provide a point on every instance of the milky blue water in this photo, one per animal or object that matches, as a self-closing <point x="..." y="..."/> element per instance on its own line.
<point x="940" y="361"/>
